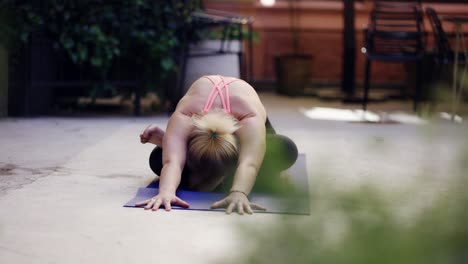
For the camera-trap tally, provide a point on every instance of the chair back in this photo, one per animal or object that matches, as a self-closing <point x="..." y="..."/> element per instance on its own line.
<point x="395" y="32"/>
<point x="397" y="3"/>
<point x="443" y="47"/>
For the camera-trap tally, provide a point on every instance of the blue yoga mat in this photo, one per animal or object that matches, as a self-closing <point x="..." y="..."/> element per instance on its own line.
<point x="297" y="203"/>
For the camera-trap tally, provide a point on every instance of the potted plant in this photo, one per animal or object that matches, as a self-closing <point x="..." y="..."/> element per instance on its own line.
<point x="293" y="70"/>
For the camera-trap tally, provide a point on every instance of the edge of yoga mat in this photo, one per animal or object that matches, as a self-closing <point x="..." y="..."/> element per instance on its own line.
<point x="201" y="201"/>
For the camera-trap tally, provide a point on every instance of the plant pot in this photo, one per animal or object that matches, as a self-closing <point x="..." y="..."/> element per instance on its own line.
<point x="292" y="73"/>
<point x="205" y="59"/>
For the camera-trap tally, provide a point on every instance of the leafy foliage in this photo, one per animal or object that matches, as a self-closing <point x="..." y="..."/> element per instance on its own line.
<point x="369" y="225"/>
<point x="95" y="33"/>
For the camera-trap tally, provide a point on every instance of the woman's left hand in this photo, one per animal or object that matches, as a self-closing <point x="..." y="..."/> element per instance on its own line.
<point x="237" y="200"/>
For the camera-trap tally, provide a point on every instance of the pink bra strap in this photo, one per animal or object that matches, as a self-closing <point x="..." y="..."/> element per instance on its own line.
<point x="213" y="96"/>
<point x="217" y="90"/>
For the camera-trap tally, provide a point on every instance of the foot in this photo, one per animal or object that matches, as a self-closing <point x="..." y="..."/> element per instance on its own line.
<point x="152" y="134"/>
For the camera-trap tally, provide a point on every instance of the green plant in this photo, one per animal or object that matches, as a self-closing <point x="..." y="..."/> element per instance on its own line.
<point x="145" y="34"/>
<point x="218" y="34"/>
<point x="370" y="224"/>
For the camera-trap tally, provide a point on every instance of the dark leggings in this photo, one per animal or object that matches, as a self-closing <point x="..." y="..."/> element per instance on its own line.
<point x="280" y="154"/>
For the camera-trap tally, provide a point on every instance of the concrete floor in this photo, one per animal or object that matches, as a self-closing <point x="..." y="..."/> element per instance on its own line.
<point x="63" y="182"/>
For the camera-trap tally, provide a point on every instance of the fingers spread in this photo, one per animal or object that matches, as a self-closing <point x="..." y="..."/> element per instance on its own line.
<point x="240" y="208"/>
<point x="142" y="203"/>
<point x="157" y="204"/>
<point x="150" y="204"/>
<point x="230" y="207"/>
<point x="182" y="203"/>
<point x="257" y="207"/>
<point x="167" y="204"/>
<point x="248" y="209"/>
<point x="219" y="204"/>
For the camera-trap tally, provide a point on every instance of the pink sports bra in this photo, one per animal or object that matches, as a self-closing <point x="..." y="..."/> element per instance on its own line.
<point x="218" y="90"/>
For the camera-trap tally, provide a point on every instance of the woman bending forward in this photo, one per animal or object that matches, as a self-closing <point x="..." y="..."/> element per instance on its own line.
<point x="218" y="135"/>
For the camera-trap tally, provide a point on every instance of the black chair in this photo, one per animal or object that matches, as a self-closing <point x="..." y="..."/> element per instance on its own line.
<point x="397" y="4"/>
<point x="444" y="54"/>
<point x="394" y="34"/>
<point x="230" y="27"/>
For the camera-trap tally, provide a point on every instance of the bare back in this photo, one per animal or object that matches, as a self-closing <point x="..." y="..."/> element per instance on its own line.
<point x="244" y="100"/>
<point x="245" y="106"/>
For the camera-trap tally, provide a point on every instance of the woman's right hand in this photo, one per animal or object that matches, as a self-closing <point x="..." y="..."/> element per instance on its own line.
<point x="152" y="134"/>
<point x="163" y="199"/>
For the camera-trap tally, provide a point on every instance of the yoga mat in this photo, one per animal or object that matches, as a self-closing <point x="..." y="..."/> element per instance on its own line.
<point x="296" y="203"/>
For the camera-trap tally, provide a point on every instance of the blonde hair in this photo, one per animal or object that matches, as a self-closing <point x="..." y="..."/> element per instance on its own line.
<point x="212" y="146"/>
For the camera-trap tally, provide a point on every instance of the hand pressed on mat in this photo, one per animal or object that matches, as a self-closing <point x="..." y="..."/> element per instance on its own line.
<point x="239" y="201"/>
<point x="163" y="199"/>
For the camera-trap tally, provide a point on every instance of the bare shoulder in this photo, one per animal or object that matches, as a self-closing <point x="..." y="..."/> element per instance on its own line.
<point x="179" y="126"/>
<point x="199" y="84"/>
<point x="189" y="104"/>
<point x="193" y="100"/>
<point x="245" y="101"/>
<point x="179" y="118"/>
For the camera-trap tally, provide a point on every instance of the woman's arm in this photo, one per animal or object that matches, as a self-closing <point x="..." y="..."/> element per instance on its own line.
<point x="174" y="151"/>
<point x="252" y="149"/>
<point x="174" y="154"/>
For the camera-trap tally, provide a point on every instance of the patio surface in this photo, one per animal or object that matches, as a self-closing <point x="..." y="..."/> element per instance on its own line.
<point x="63" y="182"/>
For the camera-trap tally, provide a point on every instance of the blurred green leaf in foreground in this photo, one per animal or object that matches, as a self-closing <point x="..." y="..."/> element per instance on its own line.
<point x="367" y="224"/>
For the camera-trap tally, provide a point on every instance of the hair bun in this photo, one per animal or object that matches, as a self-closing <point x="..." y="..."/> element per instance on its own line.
<point x="218" y="123"/>
<point x="212" y="147"/>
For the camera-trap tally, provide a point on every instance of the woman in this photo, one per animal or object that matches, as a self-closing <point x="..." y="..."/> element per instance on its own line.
<point x="218" y="133"/>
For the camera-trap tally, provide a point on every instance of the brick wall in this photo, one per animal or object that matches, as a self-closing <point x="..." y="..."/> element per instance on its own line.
<point x="322" y="24"/>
